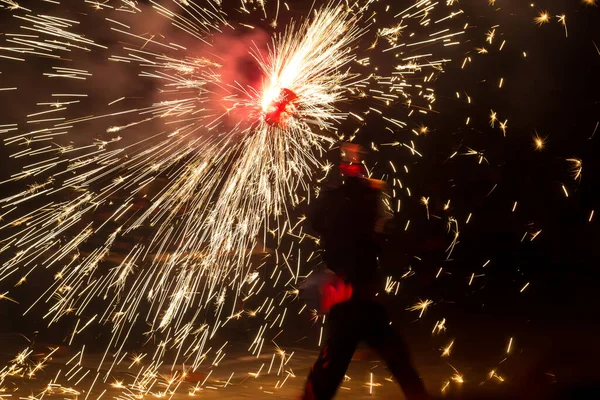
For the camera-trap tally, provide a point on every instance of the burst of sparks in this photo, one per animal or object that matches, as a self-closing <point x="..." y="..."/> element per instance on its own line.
<point x="494" y="375"/>
<point x="255" y="182"/>
<point x="440" y="326"/>
<point x="542" y="19"/>
<point x="493" y="118"/>
<point x="446" y="350"/>
<point x="458" y="378"/>
<point x="425" y="202"/>
<point x="538" y="142"/>
<point x="227" y="176"/>
<point x="421" y="306"/>
<point x="4" y="296"/>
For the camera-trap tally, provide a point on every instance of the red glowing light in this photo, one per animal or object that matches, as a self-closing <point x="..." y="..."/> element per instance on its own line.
<point x="347" y="169"/>
<point x="281" y="108"/>
<point x="335" y="291"/>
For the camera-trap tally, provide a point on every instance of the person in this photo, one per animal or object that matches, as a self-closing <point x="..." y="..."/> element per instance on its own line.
<point x="348" y="220"/>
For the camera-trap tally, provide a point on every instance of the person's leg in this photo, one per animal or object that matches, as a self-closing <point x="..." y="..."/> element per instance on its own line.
<point x="393" y="350"/>
<point x="328" y="371"/>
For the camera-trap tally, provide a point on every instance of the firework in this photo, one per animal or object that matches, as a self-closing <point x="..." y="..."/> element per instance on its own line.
<point x="229" y="156"/>
<point x="165" y="209"/>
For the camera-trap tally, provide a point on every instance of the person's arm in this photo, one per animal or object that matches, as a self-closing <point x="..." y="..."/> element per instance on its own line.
<point x="384" y="214"/>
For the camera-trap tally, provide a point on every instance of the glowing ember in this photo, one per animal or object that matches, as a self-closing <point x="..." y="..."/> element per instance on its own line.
<point x="281" y="108"/>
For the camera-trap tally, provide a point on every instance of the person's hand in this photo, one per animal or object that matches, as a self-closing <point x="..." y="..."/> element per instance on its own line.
<point x="335" y="291"/>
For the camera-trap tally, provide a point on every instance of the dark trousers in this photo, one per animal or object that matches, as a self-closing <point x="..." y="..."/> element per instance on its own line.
<point x="350" y="323"/>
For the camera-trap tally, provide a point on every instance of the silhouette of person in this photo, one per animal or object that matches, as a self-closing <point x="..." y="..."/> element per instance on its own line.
<point x="349" y="221"/>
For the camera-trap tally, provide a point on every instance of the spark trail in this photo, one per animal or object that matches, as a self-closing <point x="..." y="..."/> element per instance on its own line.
<point x="209" y="177"/>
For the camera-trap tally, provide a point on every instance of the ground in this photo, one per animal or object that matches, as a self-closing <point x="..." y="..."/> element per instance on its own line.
<point x="220" y="383"/>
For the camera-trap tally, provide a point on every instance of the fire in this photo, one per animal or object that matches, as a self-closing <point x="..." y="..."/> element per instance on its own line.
<point x="279" y="106"/>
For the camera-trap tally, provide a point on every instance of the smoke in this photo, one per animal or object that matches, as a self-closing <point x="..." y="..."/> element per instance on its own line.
<point x="110" y="86"/>
<point x="236" y="76"/>
<point x="239" y="71"/>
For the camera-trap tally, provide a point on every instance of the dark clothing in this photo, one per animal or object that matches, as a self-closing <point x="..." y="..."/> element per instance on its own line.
<point x="345" y="219"/>
<point x="352" y="322"/>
